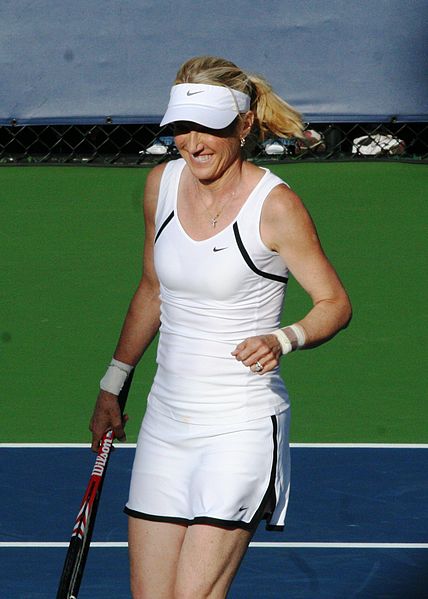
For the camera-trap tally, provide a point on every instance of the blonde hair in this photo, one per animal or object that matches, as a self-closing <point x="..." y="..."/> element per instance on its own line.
<point x="272" y="114"/>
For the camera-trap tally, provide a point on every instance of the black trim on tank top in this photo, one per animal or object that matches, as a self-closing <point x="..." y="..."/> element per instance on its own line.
<point x="250" y="263"/>
<point x="164" y="224"/>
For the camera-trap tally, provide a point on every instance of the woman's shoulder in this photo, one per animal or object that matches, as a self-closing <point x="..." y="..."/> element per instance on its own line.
<point x="256" y="174"/>
<point x="161" y="179"/>
<point x="155" y="175"/>
<point x="151" y="191"/>
<point x="282" y="203"/>
<point x="283" y="216"/>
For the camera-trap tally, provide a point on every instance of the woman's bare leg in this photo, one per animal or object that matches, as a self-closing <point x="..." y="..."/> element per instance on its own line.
<point x="172" y="561"/>
<point x="209" y="559"/>
<point x="154" y="551"/>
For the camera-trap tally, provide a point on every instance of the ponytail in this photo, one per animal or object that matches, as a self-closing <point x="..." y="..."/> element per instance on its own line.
<point x="272" y="114"/>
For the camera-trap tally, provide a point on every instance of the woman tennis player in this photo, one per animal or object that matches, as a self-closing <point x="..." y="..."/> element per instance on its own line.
<point x="222" y="236"/>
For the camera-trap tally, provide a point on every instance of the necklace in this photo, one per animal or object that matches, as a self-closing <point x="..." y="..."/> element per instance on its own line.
<point x="214" y="219"/>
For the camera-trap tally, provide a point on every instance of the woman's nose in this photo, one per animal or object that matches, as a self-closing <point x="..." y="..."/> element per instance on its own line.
<point x="194" y="143"/>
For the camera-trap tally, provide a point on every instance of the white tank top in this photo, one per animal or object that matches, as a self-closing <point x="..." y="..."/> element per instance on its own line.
<point x="214" y="293"/>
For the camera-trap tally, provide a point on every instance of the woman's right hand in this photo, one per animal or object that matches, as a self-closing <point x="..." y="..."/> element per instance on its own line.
<point x="106" y="416"/>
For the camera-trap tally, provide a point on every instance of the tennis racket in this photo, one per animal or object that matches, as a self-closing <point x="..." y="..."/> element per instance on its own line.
<point x="80" y="541"/>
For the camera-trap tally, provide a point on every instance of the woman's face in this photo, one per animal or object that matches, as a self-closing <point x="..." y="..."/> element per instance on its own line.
<point x="209" y="153"/>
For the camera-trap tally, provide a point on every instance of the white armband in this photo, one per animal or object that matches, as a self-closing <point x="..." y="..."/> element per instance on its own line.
<point x="115" y="377"/>
<point x="294" y="341"/>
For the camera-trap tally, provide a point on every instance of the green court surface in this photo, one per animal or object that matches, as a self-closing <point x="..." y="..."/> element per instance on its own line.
<point x="71" y="240"/>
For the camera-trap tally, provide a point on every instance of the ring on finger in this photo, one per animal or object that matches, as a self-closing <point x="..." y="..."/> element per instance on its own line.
<point x="258" y="367"/>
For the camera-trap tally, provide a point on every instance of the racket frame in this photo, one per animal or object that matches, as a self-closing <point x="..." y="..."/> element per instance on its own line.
<point x="77" y="553"/>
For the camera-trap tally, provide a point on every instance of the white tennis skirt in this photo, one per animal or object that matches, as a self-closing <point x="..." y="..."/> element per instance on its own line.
<point x="224" y="475"/>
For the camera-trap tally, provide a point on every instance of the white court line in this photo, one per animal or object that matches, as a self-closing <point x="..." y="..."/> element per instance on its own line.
<point x="133" y="445"/>
<point x="255" y="544"/>
<point x="60" y="445"/>
<point x="342" y="545"/>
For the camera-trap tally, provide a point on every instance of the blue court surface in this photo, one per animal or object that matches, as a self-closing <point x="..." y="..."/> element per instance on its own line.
<point x="357" y="525"/>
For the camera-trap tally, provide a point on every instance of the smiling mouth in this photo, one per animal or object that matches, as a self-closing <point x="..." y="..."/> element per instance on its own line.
<point x="203" y="158"/>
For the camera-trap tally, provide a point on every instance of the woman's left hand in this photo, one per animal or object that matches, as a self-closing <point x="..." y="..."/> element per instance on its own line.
<point x="260" y="353"/>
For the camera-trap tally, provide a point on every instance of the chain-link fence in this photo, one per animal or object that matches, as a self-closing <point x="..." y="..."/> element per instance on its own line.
<point x="114" y="144"/>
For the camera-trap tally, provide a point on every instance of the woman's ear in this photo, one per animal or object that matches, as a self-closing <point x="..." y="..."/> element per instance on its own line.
<point x="247" y="123"/>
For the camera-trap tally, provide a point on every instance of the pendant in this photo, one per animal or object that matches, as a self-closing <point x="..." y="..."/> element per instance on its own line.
<point x="214" y="222"/>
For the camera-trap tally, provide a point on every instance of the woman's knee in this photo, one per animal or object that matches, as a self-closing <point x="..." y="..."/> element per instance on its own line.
<point x="198" y="590"/>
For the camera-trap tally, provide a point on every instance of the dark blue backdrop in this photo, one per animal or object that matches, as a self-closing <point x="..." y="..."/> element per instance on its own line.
<point x="334" y="60"/>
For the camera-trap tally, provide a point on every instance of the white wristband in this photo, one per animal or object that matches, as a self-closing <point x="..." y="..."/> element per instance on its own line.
<point x="299" y="331"/>
<point x="284" y="341"/>
<point x="287" y="344"/>
<point x="115" y="377"/>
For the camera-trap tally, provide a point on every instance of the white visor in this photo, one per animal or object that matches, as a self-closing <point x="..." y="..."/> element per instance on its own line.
<point x="213" y="106"/>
